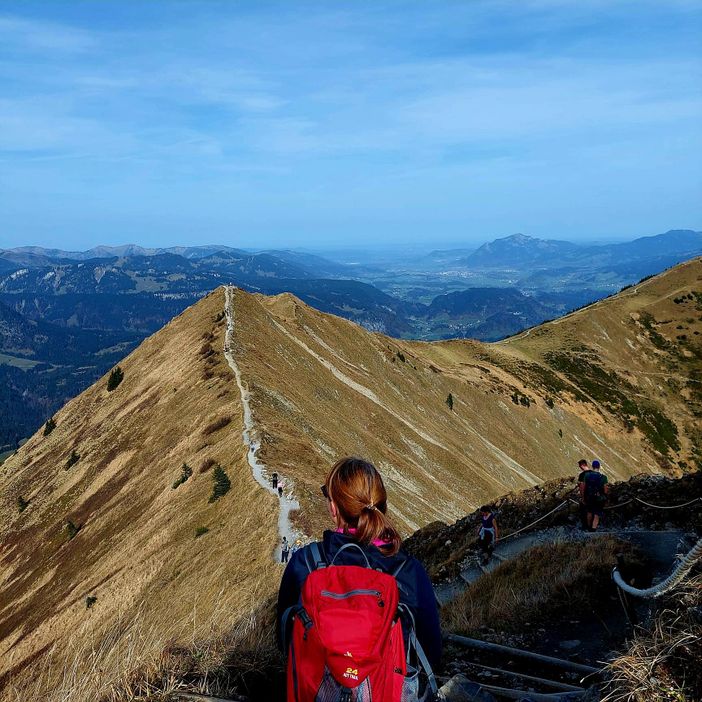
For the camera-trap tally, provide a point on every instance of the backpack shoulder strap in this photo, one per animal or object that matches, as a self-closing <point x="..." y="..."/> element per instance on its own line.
<point x="422" y="659"/>
<point x="315" y="557"/>
<point x="399" y="567"/>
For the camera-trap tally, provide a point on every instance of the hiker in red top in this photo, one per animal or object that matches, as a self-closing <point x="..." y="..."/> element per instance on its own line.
<point x="357" y="617"/>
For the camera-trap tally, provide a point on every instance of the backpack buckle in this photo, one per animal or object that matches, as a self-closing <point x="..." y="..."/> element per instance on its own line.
<point x="306" y="622"/>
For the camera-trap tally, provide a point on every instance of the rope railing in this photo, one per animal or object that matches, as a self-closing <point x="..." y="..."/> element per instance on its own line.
<point x="536" y="521"/>
<point x="682" y="569"/>
<point x="684" y="504"/>
<point x="617" y="506"/>
<point x="647" y="504"/>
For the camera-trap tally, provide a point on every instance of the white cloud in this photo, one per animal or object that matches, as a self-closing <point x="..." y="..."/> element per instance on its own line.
<point x="32" y="35"/>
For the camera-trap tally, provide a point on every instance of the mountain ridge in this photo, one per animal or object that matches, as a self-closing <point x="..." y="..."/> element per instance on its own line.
<point x="319" y="387"/>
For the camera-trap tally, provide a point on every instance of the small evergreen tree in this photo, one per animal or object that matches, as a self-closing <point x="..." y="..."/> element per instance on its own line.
<point x="449" y="401"/>
<point x="72" y="460"/>
<point x="49" y="426"/>
<point x="185" y="472"/>
<point x="116" y="377"/>
<point x="221" y="485"/>
<point x="72" y="529"/>
<point x="22" y="504"/>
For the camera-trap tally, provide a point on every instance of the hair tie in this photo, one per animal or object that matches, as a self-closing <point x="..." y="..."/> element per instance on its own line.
<point x="370" y="507"/>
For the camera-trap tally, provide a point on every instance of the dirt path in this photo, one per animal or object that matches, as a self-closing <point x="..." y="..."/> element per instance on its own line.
<point x="248" y="434"/>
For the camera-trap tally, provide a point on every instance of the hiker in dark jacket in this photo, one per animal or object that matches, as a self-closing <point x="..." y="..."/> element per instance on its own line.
<point x="594" y="492"/>
<point x="357" y="502"/>
<point x="487" y="533"/>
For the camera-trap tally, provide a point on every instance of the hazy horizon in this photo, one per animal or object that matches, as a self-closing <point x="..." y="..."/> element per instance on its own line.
<point x="324" y="126"/>
<point x="345" y="249"/>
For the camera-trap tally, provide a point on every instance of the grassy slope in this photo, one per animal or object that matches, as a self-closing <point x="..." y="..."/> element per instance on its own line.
<point x="638" y="355"/>
<point x="137" y="542"/>
<point x="518" y="419"/>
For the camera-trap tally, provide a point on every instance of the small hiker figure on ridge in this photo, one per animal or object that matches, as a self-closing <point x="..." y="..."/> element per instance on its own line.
<point x="594" y="490"/>
<point x="284" y="550"/>
<point x="274" y="480"/>
<point x="281" y="485"/>
<point x="582" y="508"/>
<point x="488" y="533"/>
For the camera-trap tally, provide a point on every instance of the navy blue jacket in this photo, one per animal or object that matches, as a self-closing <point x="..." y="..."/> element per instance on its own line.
<point x="413" y="582"/>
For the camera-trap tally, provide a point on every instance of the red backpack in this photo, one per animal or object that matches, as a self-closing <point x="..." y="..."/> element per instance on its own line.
<point x="346" y="642"/>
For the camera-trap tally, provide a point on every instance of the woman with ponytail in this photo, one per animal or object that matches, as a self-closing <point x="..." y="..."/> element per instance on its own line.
<point x="357" y="504"/>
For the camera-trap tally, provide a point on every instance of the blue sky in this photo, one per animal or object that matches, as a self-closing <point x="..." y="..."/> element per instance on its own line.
<point x="355" y="123"/>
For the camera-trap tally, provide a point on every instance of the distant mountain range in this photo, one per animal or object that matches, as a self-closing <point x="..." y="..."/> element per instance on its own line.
<point x="526" y="252"/>
<point x="65" y="316"/>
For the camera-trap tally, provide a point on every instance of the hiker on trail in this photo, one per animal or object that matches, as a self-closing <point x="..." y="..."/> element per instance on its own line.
<point x="594" y="490"/>
<point x="347" y="603"/>
<point x="284" y="550"/>
<point x="274" y="480"/>
<point x="487" y="533"/>
<point x="281" y="485"/>
<point x="582" y="509"/>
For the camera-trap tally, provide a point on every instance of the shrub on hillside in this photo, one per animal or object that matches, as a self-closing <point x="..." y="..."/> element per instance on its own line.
<point x="71" y="529"/>
<point x="22" y="504"/>
<point x="216" y="425"/>
<point x="200" y="531"/>
<point x="90" y="600"/>
<point x="185" y="472"/>
<point x="49" y="426"/>
<point x="116" y="377"/>
<point x="221" y="484"/>
<point x="72" y="460"/>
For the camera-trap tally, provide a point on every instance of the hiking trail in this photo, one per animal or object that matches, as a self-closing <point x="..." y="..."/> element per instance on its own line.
<point x="252" y="443"/>
<point x="661" y="547"/>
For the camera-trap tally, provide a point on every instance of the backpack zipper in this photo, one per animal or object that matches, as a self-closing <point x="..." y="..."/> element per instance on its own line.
<point x="354" y="593"/>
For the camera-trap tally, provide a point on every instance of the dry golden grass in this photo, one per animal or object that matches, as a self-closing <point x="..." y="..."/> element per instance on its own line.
<point x="128" y="660"/>
<point x="537" y="585"/>
<point x="664" y="663"/>
<point x="136" y="550"/>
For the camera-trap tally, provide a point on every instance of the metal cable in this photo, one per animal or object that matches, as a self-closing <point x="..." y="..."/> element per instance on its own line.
<point x="669" y="583"/>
